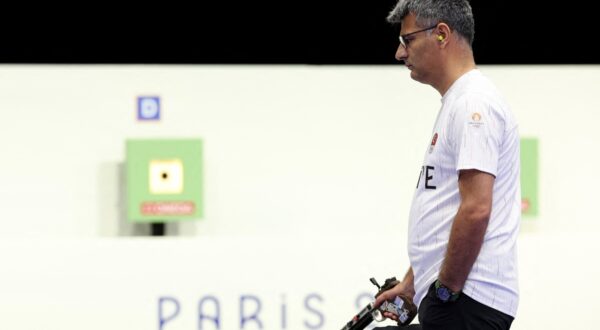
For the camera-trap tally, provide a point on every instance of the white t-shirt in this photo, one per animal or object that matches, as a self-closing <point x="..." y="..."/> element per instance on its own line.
<point x="475" y="129"/>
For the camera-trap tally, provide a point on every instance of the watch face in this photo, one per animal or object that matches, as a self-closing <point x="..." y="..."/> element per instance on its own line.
<point x="443" y="294"/>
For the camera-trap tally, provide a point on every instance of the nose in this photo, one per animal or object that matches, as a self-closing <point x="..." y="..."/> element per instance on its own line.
<point x="401" y="53"/>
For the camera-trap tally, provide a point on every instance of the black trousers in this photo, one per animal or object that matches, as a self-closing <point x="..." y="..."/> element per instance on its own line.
<point x="463" y="314"/>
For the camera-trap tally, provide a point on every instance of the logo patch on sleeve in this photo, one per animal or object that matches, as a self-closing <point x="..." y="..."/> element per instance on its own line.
<point x="476" y="120"/>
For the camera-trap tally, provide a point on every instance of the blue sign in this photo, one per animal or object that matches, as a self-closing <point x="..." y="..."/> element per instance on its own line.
<point x="148" y="108"/>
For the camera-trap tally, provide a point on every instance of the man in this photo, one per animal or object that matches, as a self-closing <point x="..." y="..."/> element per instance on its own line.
<point x="465" y="215"/>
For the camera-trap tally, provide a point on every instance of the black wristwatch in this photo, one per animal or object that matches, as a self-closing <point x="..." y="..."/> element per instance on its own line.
<point x="444" y="294"/>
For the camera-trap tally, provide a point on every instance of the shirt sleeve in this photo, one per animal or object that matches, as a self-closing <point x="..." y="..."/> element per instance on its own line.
<point x="476" y="129"/>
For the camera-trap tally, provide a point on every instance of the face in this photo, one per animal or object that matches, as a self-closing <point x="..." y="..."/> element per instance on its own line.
<point x="419" y="55"/>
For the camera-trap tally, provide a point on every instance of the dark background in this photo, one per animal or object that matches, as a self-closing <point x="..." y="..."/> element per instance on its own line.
<point x="283" y="32"/>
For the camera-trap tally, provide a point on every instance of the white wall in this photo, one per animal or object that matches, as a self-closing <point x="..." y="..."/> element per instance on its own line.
<point x="308" y="169"/>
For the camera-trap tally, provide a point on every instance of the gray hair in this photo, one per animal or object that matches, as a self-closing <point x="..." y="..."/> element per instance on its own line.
<point x="456" y="13"/>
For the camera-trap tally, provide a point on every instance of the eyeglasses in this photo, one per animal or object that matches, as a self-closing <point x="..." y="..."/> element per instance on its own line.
<point x="404" y="42"/>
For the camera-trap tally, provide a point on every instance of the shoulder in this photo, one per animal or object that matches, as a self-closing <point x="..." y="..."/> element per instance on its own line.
<point x="482" y="104"/>
<point x="476" y="97"/>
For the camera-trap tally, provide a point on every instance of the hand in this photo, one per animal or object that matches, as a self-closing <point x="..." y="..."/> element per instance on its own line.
<point x="400" y="289"/>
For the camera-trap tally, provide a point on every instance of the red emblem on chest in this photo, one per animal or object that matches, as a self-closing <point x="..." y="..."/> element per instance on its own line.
<point x="434" y="140"/>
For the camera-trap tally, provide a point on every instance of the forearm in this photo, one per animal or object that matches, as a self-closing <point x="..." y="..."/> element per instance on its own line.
<point x="466" y="239"/>
<point x="409" y="282"/>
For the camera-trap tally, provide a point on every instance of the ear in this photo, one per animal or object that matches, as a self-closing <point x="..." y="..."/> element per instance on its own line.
<point x="443" y="32"/>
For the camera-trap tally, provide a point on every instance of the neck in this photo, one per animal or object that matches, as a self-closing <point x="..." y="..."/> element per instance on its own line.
<point x="455" y="67"/>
